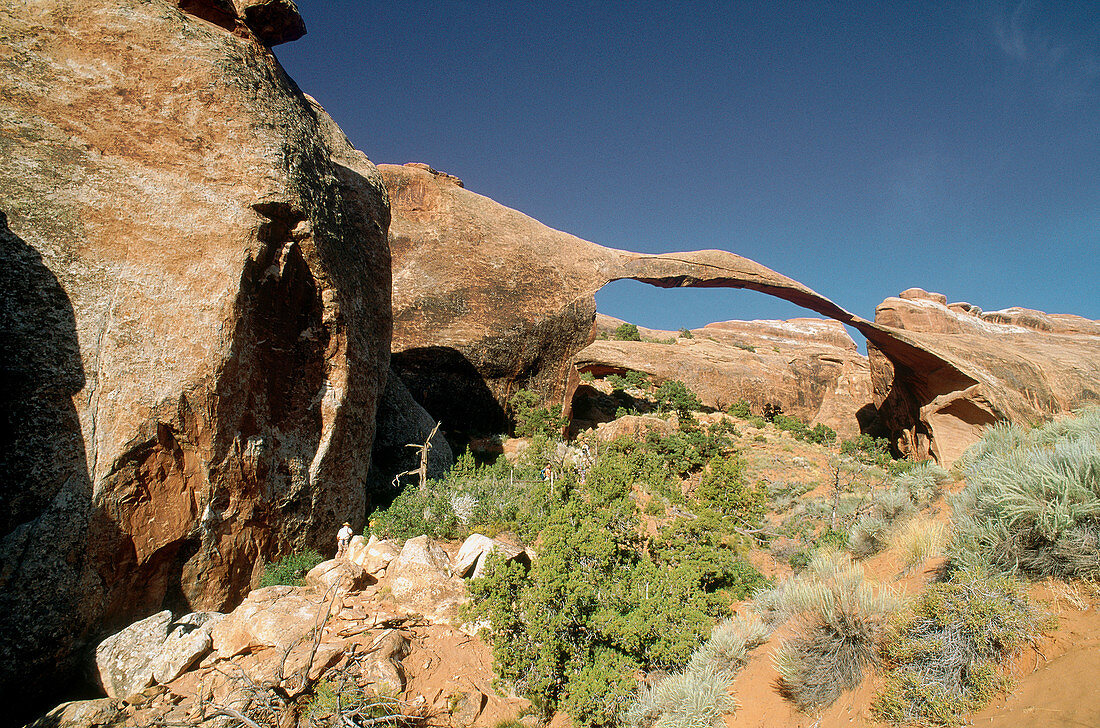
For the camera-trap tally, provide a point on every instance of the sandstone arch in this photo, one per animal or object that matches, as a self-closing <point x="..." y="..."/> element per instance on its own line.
<point x="515" y="299"/>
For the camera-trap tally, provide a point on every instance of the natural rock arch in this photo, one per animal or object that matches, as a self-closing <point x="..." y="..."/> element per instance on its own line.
<point x="515" y="300"/>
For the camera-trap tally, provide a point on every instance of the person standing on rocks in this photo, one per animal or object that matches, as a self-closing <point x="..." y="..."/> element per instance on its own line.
<point x="343" y="538"/>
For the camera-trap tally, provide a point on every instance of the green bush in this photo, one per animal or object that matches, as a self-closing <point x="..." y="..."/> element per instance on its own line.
<point x="472" y="497"/>
<point x="685" y="333"/>
<point x="741" y="409"/>
<point x="291" y="569"/>
<point x="533" y="418"/>
<point x="1032" y="500"/>
<point x="724" y="489"/>
<point x="674" y="396"/>
<point x="626" y="332"/>
<point x="946" y="656"/>
<point x="595" y="606"/>
<point x="867" y="449"/>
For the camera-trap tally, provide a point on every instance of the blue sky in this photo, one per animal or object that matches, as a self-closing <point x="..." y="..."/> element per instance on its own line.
<point x="858" y="147"/>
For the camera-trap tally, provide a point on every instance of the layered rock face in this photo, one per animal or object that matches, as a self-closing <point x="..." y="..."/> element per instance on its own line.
<point x="953" y="370"/>
<point x="194" y="322"/>
<point x="488" y="300"/>
<point x="810" y="367"/>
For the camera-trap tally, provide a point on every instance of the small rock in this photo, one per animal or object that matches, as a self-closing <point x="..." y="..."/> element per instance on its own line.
<point x="472" y="555"/>
<point x="346" y="576"/>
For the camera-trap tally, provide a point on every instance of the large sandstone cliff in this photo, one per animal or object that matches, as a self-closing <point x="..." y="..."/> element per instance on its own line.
<point x="195" y="317"/>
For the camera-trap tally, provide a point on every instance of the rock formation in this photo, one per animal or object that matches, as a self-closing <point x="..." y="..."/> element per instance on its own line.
<point x="488" y="300"/>
<point x="194" y="326"/>
<point x="951" y="369"/>
<point x="810" y="367"/>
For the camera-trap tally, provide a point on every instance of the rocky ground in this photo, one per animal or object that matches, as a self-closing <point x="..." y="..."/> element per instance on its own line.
<point x="382" y="625"/>
<point x="386" y="622"/>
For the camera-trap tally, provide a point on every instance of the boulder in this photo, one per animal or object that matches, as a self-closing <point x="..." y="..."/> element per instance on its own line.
<point x="180" y="651"/>
<point x="378" y="554"/>
<point x="403" y="422"/>
<point x="273" y="21"/>
<point x="153" y="650"/>
<point x="125" y="660"/>
<point x="471" y="557"/>
<point x="635" y="427"/>
<point x="194" y="331"/>
<point x="381" y="667"/>
<point x="343" y="574"/>
<point x="97" y="713"/>
<point x="275" y="616"/>
<point x="421" y="580"/>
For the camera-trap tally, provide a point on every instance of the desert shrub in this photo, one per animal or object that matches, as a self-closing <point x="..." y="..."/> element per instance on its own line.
<point x="1032" y="500"/>
<point x="626" y="332"/>
<point x="595" y="607"/>
<point x="674" y="396"/>
<point x="730" y="641"/>
<point x="533" y="418"/>
<point x="839" y="618"/>
<point x="784" y="495"/>
<point x="820" y="434"/>
<point x="867" y="449"/>
<point x="869" y="535"/>
<point x="757" y="421"/>
<point x="946" y="656"/>
<point x="918" y="541"/>
<point x="741" y="409"/>
<point x="724" y="489"/>
<point x="586" y="377"/>
<point x="690" y="699"/>
<point x="923" y="482"/>
<point x="698" y="696"/>
<point x="473" y="497"/>
<point x="772" y="410"/>
<point x="413" y="513"/>
<point x="291" y="569"/>
<point x="890" y="509"/>
<point x="686" y="451"/>
<point x="685" y="333"/>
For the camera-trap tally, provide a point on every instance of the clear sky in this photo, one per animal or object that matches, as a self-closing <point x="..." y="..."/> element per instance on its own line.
<point x="858" y="147"/>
